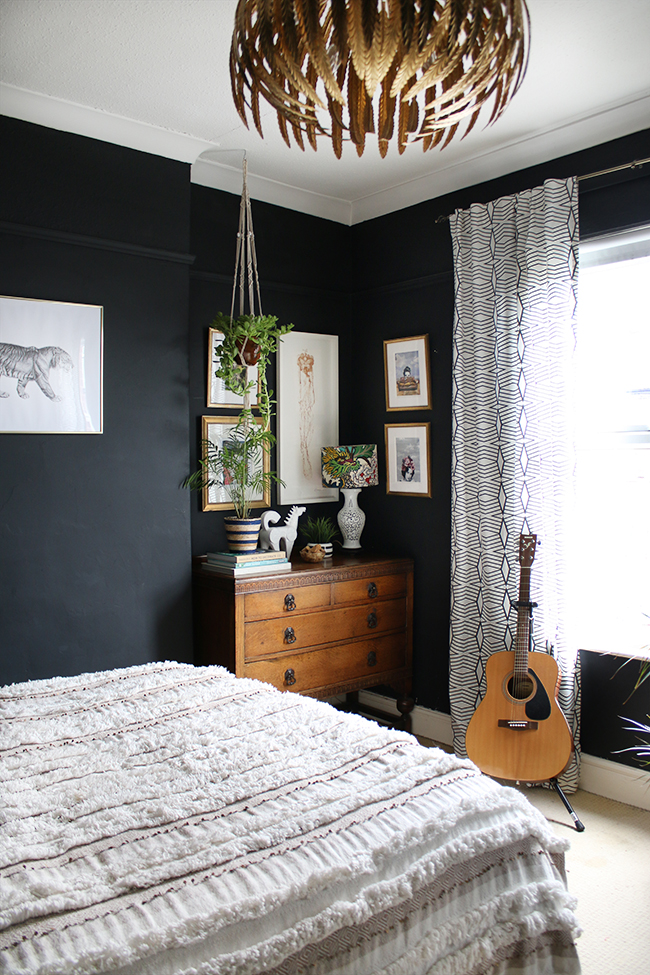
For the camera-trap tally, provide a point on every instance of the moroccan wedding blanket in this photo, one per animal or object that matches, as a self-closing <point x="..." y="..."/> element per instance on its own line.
<point x="168" y="819"/>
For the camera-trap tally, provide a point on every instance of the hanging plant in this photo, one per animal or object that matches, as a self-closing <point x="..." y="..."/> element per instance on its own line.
<point x="237" y="465"/>
<point x="260" y="331"/>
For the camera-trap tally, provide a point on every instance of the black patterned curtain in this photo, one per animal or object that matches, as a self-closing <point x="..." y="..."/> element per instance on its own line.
<point x="516" y="278"/>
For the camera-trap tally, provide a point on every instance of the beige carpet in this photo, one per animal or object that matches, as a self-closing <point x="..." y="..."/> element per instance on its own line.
<point x="608" y="871"/>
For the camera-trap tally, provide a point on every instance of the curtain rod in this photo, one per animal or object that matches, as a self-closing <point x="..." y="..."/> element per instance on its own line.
<point x="635" y="164"/>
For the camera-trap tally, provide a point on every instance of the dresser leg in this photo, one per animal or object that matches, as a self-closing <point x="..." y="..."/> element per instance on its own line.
<point x="405" y="706"/>
<point x="352" y="700"/>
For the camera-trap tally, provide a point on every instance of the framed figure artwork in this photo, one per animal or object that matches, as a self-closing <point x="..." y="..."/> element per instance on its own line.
<point x="308" y="414"/>
<point x="218" y="395"/>
<point x="51" y="358"/>
<point x="216" y="430"/>
<point x="408" y="461"/>
<point x="406" y="373"/>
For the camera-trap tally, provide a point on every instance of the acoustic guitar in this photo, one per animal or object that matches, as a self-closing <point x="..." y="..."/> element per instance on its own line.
<point x="518" y="731"/>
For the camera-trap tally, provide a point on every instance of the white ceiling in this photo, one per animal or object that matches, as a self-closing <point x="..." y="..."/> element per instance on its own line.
<point x="153" y="75"/>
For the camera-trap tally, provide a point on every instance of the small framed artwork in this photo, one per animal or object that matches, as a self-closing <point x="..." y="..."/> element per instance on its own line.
<point x="406" y="372"/>
<point x="408" y="461"/>
<point x="50" y="366"/>
<point x="218" y="395"/>
<point x="216" y="430"/>
<point x="308" y="414"/>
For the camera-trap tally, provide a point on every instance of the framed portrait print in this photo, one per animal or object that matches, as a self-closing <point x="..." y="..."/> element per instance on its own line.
<point x="406" y="373"/>
<point x="408" y="461"/>
<point x="218" y="395"/>
<point x="216" y="430"/>
<point x="50" y="366"/>
<point x="308" y="414"/>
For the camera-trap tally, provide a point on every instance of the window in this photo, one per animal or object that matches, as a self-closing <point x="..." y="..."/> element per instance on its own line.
<point x="612" y="556"/>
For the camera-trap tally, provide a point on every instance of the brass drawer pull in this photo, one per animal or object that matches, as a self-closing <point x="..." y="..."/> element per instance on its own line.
<point x="289" y="636"/>
<point x="289" y="677"/>
<point x="372" y="659"/>
<point x="372" y="620"/>
<point x="372" y="590"/>
<point x="289" y="602"/>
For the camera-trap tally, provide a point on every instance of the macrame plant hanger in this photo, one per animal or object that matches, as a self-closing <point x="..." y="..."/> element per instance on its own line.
<point x="246" y="276"/>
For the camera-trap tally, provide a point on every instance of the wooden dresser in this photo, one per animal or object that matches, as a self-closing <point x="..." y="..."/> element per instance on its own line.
<point x="318" y="629"/>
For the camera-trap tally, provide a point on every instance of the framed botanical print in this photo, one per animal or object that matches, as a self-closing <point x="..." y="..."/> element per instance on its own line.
<point x="408" y="461"/>
<point x="406" y="373"/>
<point x="218" y="395"/>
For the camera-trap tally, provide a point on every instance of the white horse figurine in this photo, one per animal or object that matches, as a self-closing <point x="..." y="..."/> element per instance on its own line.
<point x="283" y="536"/>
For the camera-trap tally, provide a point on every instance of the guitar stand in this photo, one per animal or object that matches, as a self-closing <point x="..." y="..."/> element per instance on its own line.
<point x="553" y="782"/>
<point x="558" y="788"/>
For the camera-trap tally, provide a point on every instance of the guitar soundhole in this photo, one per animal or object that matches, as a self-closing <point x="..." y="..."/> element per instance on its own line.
<point x="520" y="687"/>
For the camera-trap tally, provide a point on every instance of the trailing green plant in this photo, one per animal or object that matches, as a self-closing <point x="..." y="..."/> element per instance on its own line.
<point x="264" y="332"/>
<point x="238" y="465"/>
<point x="317" y="530"/>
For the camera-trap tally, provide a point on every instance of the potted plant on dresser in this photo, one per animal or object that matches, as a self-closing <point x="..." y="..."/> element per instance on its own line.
<point x="319" y="534"/>
<point x="237" y="465"/>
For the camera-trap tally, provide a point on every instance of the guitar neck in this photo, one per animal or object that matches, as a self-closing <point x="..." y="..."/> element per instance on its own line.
<point x="522" y="640"/>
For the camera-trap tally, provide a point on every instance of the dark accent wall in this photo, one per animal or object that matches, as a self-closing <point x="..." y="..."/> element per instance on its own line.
<point x="94" y="532"/>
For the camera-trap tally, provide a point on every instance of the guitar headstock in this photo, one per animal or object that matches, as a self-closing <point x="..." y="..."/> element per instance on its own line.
<point x="527" y="546"/>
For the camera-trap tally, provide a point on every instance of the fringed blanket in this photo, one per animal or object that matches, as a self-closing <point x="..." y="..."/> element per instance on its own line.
<point x="167" y="819"/>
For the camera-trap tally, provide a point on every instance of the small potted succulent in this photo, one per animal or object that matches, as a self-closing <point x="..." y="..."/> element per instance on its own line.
<point x="319" y="534"/>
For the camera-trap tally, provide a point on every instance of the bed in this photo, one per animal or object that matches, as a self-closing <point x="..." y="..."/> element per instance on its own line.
<point x="168" y="819"/>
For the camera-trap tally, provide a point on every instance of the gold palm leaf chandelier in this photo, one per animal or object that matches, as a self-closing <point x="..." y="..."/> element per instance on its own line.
<point x="344" y="69"/>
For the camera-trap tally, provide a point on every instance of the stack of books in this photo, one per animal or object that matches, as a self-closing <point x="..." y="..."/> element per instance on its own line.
<point x="238" y="564"/>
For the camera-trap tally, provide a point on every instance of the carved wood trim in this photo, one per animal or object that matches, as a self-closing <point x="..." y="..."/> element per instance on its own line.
<point x="294" y="579"/>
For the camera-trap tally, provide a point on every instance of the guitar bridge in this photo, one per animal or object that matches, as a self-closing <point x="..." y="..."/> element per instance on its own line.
<point x="518" y="725"/>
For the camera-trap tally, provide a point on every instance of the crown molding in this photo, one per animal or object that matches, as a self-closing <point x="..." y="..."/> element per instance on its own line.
<point x="573" y="135"/>
<point x="221" y="177"/>
<point x="56" y="113"/>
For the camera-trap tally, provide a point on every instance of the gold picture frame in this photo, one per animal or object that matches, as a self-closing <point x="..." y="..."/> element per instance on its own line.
<point x="215" y="429"/>
<point x="408" y="459"/>
<point x="406" y="373"/>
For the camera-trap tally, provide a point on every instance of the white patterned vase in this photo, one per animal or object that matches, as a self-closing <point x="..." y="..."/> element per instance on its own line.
<point x="351" y="518"/>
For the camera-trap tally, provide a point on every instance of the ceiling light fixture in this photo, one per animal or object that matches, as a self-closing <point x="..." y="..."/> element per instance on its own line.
<point x="346" y="68"/>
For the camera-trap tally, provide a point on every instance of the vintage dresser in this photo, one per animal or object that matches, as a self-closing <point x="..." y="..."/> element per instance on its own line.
<point x="319" y="629"/>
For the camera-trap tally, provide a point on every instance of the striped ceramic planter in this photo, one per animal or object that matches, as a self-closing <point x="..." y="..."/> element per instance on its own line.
<point x="242" y="534"/>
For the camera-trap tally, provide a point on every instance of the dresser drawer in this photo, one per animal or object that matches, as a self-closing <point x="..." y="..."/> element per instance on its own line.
<point x="284" y="602"/>
<point x="363" y="660"/>
<point x="264" y="637"/>
<point x="367" y="590"/>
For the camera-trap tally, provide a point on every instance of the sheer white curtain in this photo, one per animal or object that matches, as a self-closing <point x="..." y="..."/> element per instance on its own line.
<point x="516" y="278"/>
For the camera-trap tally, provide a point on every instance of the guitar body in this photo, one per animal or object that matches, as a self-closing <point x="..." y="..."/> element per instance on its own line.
<point x="524" y="739"/>
<point x="518" y="731"/>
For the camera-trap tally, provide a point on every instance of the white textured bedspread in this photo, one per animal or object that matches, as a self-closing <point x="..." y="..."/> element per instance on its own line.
<point x="169" y="819"/>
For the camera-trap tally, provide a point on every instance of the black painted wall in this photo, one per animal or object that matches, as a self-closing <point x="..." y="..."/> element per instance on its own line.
<point x="94" y="533"/>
